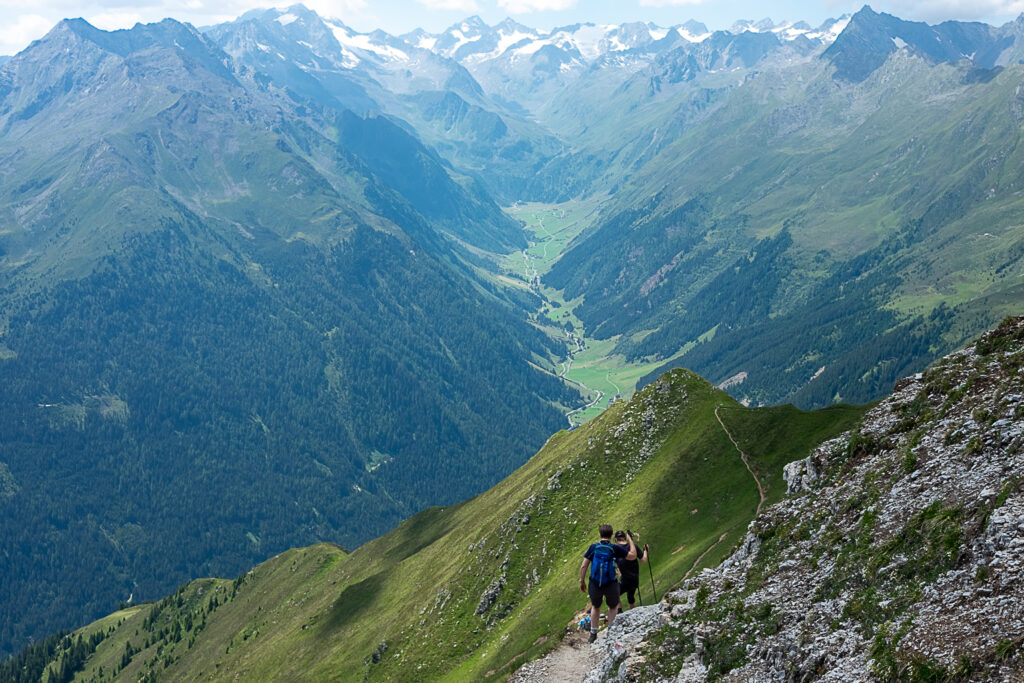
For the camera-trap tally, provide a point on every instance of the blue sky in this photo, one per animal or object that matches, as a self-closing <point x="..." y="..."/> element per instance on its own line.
<point x="22" y="22"/>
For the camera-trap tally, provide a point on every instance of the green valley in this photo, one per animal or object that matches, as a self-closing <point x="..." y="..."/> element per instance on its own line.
<point x="807" y="219"/>
<point x="602" y="374"/>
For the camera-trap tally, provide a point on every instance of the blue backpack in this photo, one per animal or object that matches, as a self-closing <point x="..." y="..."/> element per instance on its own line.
<point x="602" y="567"/>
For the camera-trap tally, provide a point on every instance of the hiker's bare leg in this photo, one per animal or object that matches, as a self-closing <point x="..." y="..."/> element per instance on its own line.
<point x="595" y="617"/>
<point x="612" y="611"/>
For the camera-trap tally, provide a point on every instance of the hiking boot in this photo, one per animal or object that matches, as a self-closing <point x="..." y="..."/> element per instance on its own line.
<point x="593" y="637"/>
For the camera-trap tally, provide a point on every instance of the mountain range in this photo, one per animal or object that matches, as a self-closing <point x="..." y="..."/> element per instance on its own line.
<point x="768" y="122"/>
<point x="258" y="285"/>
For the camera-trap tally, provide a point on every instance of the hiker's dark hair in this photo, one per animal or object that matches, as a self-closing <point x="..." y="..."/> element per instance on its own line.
<point x="605" y="530"/>
<point x="620" y="534"/>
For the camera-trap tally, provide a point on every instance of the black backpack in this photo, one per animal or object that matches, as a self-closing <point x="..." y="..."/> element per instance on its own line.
<point x="602" y="567"/>
<point x="630" y="569"/>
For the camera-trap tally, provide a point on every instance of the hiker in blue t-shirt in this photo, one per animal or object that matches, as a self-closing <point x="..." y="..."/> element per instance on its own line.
<point x="600" y="558"/>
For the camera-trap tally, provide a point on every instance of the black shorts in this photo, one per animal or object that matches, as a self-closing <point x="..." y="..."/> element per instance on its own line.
<point x="609" y="592"/>
<point x="629" y="586"/>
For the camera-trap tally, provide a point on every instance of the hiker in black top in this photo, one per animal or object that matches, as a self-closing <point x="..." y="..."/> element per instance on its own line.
<point x="629" y="569"/>
<point x="600" y="559"/>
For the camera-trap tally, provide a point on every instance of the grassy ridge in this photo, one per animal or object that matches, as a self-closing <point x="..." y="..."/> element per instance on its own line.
<point x="414" y="599"/>
<point x="764" y="434"/>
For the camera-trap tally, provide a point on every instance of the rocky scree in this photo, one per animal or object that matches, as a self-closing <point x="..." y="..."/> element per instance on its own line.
<point x="897" y="555"/>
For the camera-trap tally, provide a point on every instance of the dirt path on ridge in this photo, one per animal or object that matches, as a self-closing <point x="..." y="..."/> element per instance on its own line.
<point x="760" y="492"/>
<point x="746" y="461"/>
<point x="700" y="557"/>
<point x="574" y="657"/>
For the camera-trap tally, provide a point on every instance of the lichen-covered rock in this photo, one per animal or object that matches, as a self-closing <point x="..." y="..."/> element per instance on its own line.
<point x="490" y="596"/>
<point x="804" y="475"/>
<point x="618" y="646"/>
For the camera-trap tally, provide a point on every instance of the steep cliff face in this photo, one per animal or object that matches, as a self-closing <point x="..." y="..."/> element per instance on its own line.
<point x="895" y="556"/>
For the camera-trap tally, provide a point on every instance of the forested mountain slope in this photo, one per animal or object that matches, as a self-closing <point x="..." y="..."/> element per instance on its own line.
<point x="229" y="327"/>
<point x="472" y="591"/>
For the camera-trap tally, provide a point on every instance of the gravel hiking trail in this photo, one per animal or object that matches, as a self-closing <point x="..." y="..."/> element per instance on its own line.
<point x="569" y="662"/>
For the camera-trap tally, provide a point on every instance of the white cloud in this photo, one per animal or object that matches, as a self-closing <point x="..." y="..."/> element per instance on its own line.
<point x="669" y="3"/>
<point x="111" y="21"/>
<point x="527" y="6"/>
<point x="328" y="8"/>
<point x="964" y="10"/>
<point x="461" y="5"/>
<point x="14" y="36"/>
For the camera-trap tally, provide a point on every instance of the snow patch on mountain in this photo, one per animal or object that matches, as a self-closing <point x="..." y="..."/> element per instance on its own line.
<point x="790" y="31"/>
<point x="830" y="30"/>
<point x="589" y="39"/>
<point x="361" y="41"/>
<point x="507" y="40"/>
<point x="692" y="37"/>
<point x="532" y="47"/>
<point x="746" y="26"/>
<point x="461" y="39"/>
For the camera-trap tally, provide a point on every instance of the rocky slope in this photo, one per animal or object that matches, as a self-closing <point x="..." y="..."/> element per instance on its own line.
<point x="895" y="555"/>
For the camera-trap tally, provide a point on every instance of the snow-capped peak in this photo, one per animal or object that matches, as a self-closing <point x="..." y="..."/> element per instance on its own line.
<point x="474" y="24"/>
<point x="830" y="30"/>
<point x="787" y="30"/>
<point x="472" y="41"/>
<point x="744" y="26"/>
<point x="657" y="33"/>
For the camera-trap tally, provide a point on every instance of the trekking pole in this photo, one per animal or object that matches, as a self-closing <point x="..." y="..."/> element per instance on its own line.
<point x="651" y="570"/>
